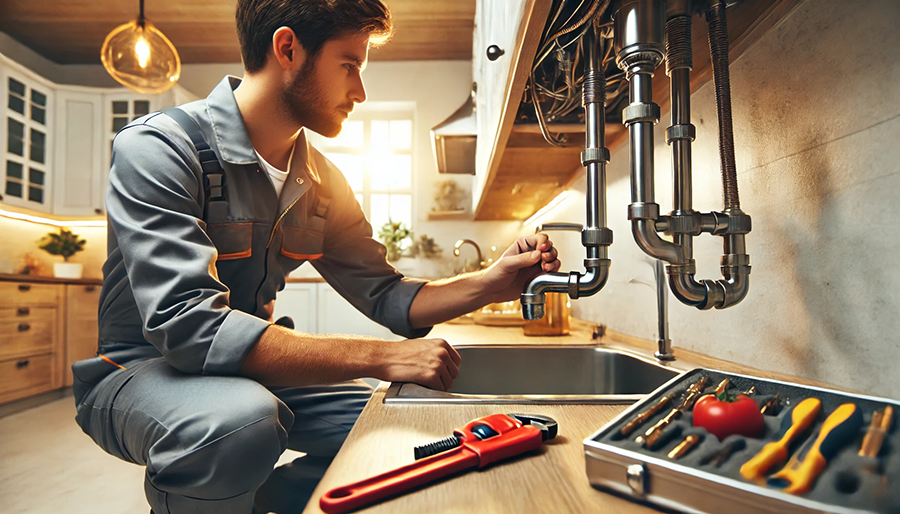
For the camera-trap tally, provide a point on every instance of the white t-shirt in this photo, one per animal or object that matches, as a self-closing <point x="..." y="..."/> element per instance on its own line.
<point x="278" y="177"/>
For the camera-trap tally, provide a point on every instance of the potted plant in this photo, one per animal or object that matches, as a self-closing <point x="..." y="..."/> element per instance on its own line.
<point x="427" y="254"/>
<point x="67" y="244"/>
<point x="392" y="235"/>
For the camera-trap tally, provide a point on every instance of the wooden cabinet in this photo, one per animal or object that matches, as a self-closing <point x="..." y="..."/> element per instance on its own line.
<point x="31" y="352"/>
<point x="81" y="329"/>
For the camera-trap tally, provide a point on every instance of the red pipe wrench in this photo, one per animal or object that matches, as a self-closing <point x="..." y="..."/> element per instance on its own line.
<point x="481" y="442"/>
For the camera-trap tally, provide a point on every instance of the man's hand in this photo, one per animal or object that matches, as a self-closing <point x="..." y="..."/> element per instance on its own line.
<point x="525" y="259"/>
<point x="430" y="362"/>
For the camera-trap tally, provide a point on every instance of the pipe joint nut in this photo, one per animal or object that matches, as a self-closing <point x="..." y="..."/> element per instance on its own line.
<point x="735" y="260"/>
<point x="594" y="236"/>
<point x="738" y="222"/>
<point x="643" y="211"/>
<point x="591" y="155"/>
<point x="640" y="112"/>
<point x="686" y="131"/>
<point x="689" y="267"/>
<point x="594" y="262"/>
<point x="574" y="277"/>
<point x="594" y="155"/>
<point x="689" y="224"/>
<point x="640" y="58"/>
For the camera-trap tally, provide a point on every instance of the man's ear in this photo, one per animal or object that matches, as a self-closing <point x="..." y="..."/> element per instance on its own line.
<point x="286" y="48"/>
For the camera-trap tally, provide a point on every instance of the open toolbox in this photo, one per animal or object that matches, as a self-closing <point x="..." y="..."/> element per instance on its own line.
<point x="708" y="477"/>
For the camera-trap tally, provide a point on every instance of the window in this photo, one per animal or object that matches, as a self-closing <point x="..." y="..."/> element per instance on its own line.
<point x="375" y="152"/>
<point x="27" y="152"/>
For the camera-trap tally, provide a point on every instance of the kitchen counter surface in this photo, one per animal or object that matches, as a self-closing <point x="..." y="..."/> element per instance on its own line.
<point x="553" y="480"/>
<point x="14" y="277"/>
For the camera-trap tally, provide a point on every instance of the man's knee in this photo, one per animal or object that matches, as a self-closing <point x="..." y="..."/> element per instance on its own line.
<point x="224" y="449"/>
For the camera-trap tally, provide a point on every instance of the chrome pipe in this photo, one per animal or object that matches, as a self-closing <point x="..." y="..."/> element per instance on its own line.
<point x="595" y="236"/>
<point x="664" y="351"/>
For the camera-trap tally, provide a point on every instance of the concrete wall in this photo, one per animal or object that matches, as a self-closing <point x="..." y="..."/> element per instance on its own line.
<point x="817" y="122"/>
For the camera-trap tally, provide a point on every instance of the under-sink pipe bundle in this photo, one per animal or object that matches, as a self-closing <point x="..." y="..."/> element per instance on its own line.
<point x="595" y="236"/>
<point x="639" y="35"/>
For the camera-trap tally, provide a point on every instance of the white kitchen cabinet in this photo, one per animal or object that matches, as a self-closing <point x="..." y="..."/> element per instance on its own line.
<point x="78" y="183"/>
<point x="338" y="316"/>
<point x="299" y="301"/>
<point x="497" y="22"/>
<point x="27" y="135"/>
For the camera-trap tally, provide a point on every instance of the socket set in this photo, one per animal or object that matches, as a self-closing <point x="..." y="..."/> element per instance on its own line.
<point x="712" y="441"/>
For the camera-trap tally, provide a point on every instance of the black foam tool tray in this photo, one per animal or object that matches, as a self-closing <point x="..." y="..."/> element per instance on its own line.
<point x="849" y="482"/>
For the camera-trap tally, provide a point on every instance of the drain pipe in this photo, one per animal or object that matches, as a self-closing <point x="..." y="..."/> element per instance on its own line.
<point x="639" y="45"/>
<point x="595" y="236"/>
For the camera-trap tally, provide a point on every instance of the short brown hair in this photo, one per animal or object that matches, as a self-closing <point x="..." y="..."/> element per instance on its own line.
<point x="313" y="21"/>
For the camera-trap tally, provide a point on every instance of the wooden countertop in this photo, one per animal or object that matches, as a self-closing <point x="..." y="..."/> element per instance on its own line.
<point x="553" y="480"/>
<point x="13" y="277"/>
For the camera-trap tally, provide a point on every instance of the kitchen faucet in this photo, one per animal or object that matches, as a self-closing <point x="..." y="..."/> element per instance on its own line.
<point x="461" y="242"/>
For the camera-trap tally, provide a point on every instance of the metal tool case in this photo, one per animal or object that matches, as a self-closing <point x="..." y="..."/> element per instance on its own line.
<point x="849" y="483"/>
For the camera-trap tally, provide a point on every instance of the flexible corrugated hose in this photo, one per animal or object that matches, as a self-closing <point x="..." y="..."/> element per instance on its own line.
<point x="718" y="49"/>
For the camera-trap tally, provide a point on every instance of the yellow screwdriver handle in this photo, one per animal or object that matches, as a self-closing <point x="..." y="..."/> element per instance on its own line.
<point x="841" y="427"/>
<point x="795" y="422"/>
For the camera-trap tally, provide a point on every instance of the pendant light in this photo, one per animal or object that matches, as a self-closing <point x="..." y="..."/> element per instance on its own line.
<point x="140" y="57"/>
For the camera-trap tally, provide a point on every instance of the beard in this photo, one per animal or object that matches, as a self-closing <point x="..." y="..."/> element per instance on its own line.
<point x="306" y="103"/>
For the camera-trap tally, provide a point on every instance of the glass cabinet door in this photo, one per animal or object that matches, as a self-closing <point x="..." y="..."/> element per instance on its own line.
<point x="26" y="153"/>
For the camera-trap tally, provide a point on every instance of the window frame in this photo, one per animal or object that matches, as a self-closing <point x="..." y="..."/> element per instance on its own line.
<point x="366" y="116"/>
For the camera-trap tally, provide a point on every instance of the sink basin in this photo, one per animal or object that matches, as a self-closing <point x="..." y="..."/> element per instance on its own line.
<point x="542" y="374"/>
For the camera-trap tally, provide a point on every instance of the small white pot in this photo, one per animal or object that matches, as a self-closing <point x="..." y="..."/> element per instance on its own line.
<point x="67" y="269"/>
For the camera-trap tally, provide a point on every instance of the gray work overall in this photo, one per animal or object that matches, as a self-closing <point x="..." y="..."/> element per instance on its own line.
<point x="193" y="267"/>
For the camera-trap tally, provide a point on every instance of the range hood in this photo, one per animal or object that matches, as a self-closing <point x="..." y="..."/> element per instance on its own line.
<point x="453" y="140"/>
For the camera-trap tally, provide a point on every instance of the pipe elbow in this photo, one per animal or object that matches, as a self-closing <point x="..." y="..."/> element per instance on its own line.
<point x="593" y="281"/>
<point x="644" y="232"/>
<point x="736" y="288"/>
<point x="532" y="298"/>
<point x="688" y="291"/>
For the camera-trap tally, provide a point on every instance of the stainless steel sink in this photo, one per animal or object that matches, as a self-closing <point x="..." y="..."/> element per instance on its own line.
<point x="542" y="374"/>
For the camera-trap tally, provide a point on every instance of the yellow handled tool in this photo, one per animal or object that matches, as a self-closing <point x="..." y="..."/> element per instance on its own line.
<point x="794" y="423"/>
<point x="841" y="427"/>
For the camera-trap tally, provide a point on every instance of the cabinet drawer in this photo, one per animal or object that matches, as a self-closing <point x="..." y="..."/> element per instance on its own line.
<point x="28" y="335"/>
<point x="25" y="373"/>
<point x="14" y="294"/>
<point x="82" y="301"/>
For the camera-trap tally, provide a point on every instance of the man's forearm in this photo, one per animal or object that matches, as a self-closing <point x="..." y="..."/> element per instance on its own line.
<point x="284" y="357"/>
<point x="442" y="300"/>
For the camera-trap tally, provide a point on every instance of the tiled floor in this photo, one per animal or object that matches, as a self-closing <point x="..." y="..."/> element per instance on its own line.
<point x="49" y="466"/>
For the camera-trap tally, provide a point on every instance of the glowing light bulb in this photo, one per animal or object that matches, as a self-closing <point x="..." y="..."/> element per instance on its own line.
<point x="142" y="50"/>
<point x="140" y="57"/>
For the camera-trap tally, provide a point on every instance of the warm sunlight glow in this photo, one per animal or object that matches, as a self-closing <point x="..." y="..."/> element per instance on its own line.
<point x="533" y="220"/>
<point x="48" y="221"/>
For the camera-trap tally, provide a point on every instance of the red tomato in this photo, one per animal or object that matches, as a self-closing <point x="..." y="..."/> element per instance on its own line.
<point x="723" y="418"/>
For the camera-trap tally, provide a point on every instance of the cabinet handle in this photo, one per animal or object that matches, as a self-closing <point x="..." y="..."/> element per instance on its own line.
<point x="24" y="327"/>
<point x="494" y="52"/>
<point x="24" y="287"/>
<point x="23" y="311"/>
<point x="90" y="289"/>
<point x="22" y="364"/>
<point x="98" y="211"/>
